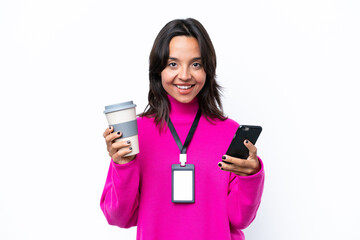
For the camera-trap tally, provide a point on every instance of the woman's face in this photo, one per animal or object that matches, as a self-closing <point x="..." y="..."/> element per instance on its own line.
<point x="184" y="75"/>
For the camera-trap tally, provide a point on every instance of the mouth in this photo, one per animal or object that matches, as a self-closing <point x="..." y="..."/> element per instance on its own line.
<point x="184" y="87"/>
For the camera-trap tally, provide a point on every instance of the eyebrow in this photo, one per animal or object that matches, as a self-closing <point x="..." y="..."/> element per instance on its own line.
<point x="193" y="59"/>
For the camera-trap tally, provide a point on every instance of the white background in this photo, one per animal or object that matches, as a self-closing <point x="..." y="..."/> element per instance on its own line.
<point x="290" y="66"/>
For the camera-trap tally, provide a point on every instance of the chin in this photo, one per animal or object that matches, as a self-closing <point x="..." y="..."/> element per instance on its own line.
<point x="184" y="99"/>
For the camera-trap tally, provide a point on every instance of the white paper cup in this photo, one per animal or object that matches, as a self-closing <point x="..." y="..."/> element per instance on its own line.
<point x="122" y="116"/>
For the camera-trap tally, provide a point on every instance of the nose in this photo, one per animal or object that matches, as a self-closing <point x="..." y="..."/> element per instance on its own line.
<point x="184" y="74"/>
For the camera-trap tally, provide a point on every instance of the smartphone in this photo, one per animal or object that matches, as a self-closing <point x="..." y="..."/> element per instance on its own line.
<point x="237" y="148"/>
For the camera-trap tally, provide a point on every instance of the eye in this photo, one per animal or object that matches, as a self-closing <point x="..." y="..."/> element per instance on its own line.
<point x="172" y="64"/>
<point x="197" y="65"/>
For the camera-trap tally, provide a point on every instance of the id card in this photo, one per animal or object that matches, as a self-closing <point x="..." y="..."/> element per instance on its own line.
<point x="183" y="183"/>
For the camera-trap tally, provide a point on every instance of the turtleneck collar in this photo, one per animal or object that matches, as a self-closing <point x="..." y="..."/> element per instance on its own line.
<point x="180" y="110"/>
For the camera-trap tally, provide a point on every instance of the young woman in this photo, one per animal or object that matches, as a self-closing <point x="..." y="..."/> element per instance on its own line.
<point x="138" y="189"/>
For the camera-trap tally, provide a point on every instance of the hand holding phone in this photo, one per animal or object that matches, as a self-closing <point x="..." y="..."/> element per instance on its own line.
<point x="238" y="160"/>
<point x="237" y="148"/>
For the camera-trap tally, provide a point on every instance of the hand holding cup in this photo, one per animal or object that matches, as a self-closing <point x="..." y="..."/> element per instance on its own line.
<point x="122" y="135"/>
<point x="117" y="150"/>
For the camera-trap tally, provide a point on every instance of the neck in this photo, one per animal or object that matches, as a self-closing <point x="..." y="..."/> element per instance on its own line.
<point x="178" y="109"/>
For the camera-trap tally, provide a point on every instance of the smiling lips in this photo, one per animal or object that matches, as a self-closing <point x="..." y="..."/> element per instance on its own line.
<point x="184" y="87"/>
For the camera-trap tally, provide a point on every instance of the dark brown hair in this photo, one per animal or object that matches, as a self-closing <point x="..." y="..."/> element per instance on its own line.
<point x="209" y="96"/>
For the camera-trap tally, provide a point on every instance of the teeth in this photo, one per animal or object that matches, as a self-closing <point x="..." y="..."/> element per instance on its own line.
<point x="184" y="87"/>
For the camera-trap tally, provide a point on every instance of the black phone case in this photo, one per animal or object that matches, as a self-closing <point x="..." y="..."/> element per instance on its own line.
<point x="237" y="148"/>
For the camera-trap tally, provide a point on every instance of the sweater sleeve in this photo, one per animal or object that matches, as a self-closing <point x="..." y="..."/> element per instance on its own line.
<point x="244" y="198"/>
<point x="120" y="197"/>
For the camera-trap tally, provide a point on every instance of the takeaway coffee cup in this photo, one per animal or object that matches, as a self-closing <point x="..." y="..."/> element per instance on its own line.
<point x="122" y="117"/>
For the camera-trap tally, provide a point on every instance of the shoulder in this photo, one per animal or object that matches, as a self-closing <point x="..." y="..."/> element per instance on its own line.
<point x="232" y="123"/>
<point x="218" y="127"/>
<point x="146" y="128"/>
<point x="148" y="124"/>
<point x="227" y="123"/>
<point x="145" y="121"/>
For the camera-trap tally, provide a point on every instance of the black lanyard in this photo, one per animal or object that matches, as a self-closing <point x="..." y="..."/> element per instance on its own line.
<point x="183" y="148"/>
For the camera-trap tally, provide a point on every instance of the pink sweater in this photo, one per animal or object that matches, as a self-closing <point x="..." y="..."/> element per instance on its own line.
<point x="139" y="193"/>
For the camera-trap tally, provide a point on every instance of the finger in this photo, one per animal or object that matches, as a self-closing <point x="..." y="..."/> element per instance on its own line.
<point x="252" y="149"/>
<point x="235" y="169"/>
<point x="120" y="144"/>
<point x="115" y="146"/>
<point x="241" y="163"/>
<point x="111" y="137"/>
<point x="108" y="131"/>
<point x="119" y="155"/>
<point x="124" y="159"/>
